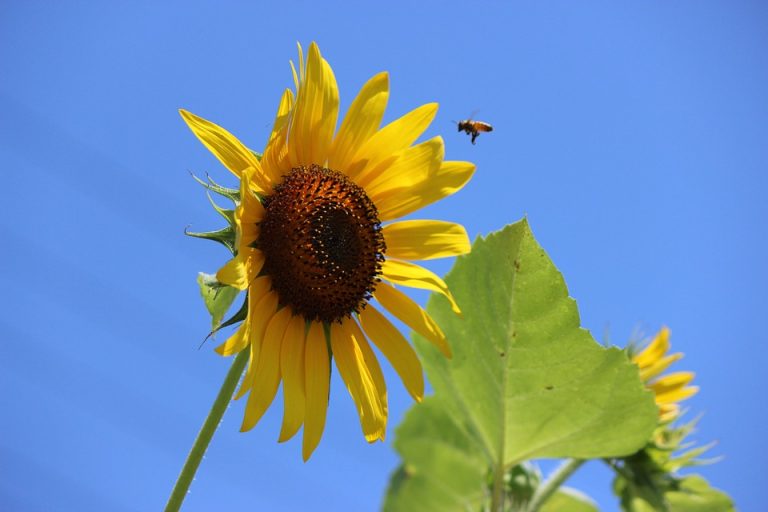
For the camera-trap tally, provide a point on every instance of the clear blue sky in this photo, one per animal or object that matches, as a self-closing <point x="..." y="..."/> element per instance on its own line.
<point x="635" y="138"/>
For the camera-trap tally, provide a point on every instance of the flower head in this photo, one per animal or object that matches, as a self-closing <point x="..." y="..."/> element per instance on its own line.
<point x="671" y="388"/>
<point x="317" y="239"/>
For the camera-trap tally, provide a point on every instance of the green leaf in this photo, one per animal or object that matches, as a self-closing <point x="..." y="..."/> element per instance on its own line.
<point x="695" y="495"/>
<point x="526" y="381"/>
<point x="217" y="297"/>
<point x="525" y="378"/>
<point x="569" y="500"/>
<point x="443" y="470"/>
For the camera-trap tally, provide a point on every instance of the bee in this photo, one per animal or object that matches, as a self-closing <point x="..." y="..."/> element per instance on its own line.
<point x="474" y="128"/>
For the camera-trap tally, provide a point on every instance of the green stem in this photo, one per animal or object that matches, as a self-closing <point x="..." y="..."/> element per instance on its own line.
<point x="497" y="498"/>
<point x="553" y="483"/>
<point x="206" y="433"/>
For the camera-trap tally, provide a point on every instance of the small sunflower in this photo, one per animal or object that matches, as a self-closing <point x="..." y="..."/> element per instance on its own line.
<point x="671" y="388"/>
<point x="316" y="243"/>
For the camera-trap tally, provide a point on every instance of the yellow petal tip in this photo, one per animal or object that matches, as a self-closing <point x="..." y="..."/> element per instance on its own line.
<point x="286" y="435"/>
<point x="375" y="436"/>
<point x="241" y="392"/>
<point x="186" y="115"/>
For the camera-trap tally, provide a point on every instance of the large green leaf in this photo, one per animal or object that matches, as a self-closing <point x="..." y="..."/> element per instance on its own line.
<point x="526" y="381"/>
<point x="443" y="468"/>
<point x="525" y="378"/>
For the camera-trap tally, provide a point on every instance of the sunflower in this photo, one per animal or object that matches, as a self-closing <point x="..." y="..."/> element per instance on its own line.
<point x="671" y="388"/>
<point x="316" y="243"/>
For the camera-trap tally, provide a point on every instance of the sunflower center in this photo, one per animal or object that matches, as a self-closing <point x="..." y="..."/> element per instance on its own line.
<point x="322" y="241"/>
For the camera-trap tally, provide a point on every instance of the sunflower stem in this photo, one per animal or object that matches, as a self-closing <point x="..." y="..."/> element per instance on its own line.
<point x="205" y="435"/>
<point x="553" y="483"/>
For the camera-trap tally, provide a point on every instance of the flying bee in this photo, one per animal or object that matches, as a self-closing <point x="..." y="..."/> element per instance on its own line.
<point x="474" y="128"/>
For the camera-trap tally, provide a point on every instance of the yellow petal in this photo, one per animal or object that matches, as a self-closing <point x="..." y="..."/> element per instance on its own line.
<point x="253" y="360"/>
<point x="654" y="351"/>
<point x="301" y="61"/>
<point x="235" y="343"/>
<point x="658" y="367"/>
<point x="415" y="276"/>
<point x="246" y="265"/>
<point x="225" y="146"/>
<point x="395" y="348"/>
<point x="296" y="82"/>
<point x="390" y="140"/>
<point x="234" y="273"/>
<point x="412" y="166"/>
<point x="411" y="314"/>
<point x="677" y="395"/>
<point x="673" y="380"/>
<point x="248" y="215"/>
<point x="314" y="117"/>
<point x="238" y="341"/>
<point x="292" y="369"/>
<point x="275" y="159"/>
<point x="668" y="412"/>
<point x="250" y="209"/>
<point x="425" y="239"/>
<point x="254" y="261"/>
<point x="361" y="121"/>
<point x="258" y="318"/>
<point x="673" y="387"/>
<point x="360" y="384"/>
<point x="260" y="287"/>
<point x="317" y="380"/>
<point x="350" y="324"/>
<point x="267" y="376"/>
<point x="448" y="180"/>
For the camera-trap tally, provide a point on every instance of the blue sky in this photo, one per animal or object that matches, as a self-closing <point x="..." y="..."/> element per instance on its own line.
<point x="634" y="137"/>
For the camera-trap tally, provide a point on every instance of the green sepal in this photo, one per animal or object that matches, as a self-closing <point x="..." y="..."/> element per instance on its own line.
<point x="694" y="494"/>
<point x="241" y="314"/>
<point x="229" y="215"/>
<point x="256" y="154"/>
<point x="668" y="493"/>
<point x="646" y="480"/>
<point x="670" y="439"/>
<point x="225" y="236"/>
<point x="230" y="193"/>
<point x="218" y="297"/>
